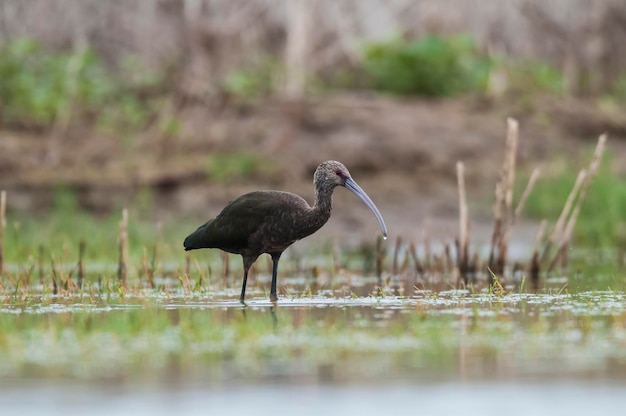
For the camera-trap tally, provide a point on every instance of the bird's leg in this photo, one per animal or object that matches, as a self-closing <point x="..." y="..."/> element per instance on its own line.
<point x="275" y="258"/>
<point x="247" y="263"/>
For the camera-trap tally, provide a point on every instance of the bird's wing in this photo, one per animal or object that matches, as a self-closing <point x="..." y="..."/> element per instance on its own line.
<point x="241" y="218"/>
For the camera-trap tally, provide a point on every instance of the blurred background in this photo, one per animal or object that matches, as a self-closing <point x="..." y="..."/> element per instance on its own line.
<point x="174" y="107"/>
<point x="171" y="108"/>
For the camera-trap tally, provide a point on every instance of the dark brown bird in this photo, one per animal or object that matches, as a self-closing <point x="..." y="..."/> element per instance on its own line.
<point x="270" y="221"/>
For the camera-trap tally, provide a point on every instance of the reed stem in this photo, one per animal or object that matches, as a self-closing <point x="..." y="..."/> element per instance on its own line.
<point x="558" y="227"/>
<point x="81" y="268"/>
<point x="535" y="266"/>
<point x="571" y="222"/>
<point x="419" y="269"/>
<point x="122" y="271"/>
<point x="379" y="260"/>
<point x="463" y="223"/>
<point x="396" y="254"/>
<point x="3" y="224"/>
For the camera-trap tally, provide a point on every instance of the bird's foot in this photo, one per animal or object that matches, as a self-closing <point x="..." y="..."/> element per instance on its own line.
<point x="273" y="297"/>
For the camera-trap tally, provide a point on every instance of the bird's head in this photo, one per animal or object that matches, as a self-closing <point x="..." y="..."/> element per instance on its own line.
<point x="331" y="174"/>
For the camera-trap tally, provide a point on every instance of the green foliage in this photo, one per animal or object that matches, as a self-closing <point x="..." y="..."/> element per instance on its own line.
<point x="32" y="85"/>
<point x="618" y="91"/>
<point x="445" y="66"/>
<point x="225" y="167"/>
<point x="127" y="114"/>
<point x="527" y="77"/>
<point x="429" y="66"/>
<point x="600" y="214"/>
<point x="36" y="85"/>
<point x="254" y="82"/>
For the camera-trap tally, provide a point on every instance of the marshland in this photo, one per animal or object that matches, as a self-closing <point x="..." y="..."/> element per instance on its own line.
<point x="491" y="139"/>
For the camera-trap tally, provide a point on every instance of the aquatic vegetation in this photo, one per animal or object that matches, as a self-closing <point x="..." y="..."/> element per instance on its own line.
<point x="153" y="334"/>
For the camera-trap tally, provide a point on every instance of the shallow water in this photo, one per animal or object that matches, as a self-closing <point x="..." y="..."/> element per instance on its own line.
<point x="450" y="398"/>
<point x="327" y="350"/>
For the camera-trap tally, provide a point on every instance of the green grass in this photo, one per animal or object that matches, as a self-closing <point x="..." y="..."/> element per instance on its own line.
<point x="602" y="211"/>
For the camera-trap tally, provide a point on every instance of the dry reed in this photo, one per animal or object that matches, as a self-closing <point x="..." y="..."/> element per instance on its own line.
<point x="122" y="271"/>
<point x="380" y="255"/>
<point x="80" y="274"/>
<point x="534" y="268"/>
<point x="419" y="268"/>
<point x="447" y="260"/>
<point x="40" y="261"/>
<point x="187" y="266"/>
<point x="3" y="224"/>
<point x="571" y="222"/>
<point x="503" y="206"/>
<point x="55" y="283"/>
<point x="203" y="280"/>
<point x="463" y="224"/>
<point x="508" y="181"/>
<point x="427" y="248"/>
<point x="529" y="187"/>
<point x="558" y="226"/>
<point x="396" y="254"/>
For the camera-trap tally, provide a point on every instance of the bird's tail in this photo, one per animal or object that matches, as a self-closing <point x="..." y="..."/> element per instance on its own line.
<point x="195" y="239"/>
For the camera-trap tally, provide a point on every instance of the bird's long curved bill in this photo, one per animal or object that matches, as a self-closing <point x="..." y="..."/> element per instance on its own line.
<point x="350" y="184"/>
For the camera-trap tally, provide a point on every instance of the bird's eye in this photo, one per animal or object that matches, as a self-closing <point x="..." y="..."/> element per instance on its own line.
<point x="340" y="173"/>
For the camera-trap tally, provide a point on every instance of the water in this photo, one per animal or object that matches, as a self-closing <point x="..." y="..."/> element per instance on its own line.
<point x="570" y="398"/>
<point x="326" y="350"/>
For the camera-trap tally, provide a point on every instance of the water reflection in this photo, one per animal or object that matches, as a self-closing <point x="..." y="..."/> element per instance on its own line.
<point x="272" y="310"/>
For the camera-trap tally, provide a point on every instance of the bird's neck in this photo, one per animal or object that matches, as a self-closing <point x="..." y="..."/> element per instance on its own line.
<point x="317" y="215"/>
<point x="323" y="202"/>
